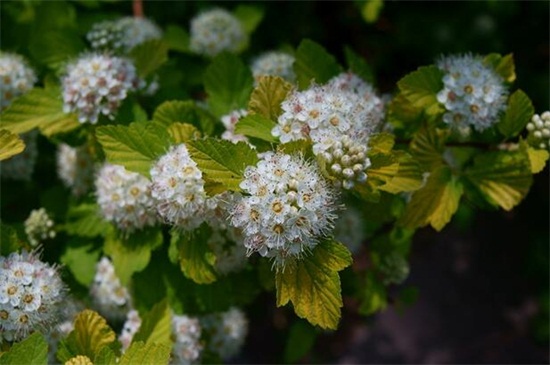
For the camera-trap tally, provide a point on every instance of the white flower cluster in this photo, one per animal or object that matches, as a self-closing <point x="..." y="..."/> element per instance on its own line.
<point x="16" y="78"/>
<point x="229" y="121"/>
<point x="110" y="298"/>
<point x="129" y="329"/>
<point x="187" y="346"/>
<point x="31" y="295"/>
<point x="288" y="207"/>
<point x="122" y="34"/>
<point x="338" y="119"/>
<point x="539" y="130"/>
<point x="227" y="332"/>
<point x="75" y="168"/>
<point x="178" y="188"/>
<point x="124" y="198"/>
<point x="214" y="31"/>
<point x="97" y="84"/>
<point x="473" y="93"/>
<point x="349" y="229"/>
<point x="275" y="64"/>
<point x="39" y="227"/>
<point x="21" y="166"/>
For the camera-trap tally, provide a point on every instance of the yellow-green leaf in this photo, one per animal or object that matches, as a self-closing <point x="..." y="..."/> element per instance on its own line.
<point x="146" y="353"/>
<point x="408" y="176"/>
<point x="370" y="10"/>
<point x="183" y="132"/>
<point x="32" y="350"/>
<point x="538" y="159"/>
<point x="312" y="284"/>
<point x="156" y="326"/>
<point x="518" y="113"/>
<point x="420" y="87"/>
<point x="10" y="144"/>
<point x="184" y="111"/>
<point x="195" y="257"/>
<point x="381" y="143"/>
<point x="256" y="126"/>
<point x="504" y="66"/>
<point x="267" y="97"/>
<point x="427" y="147"/>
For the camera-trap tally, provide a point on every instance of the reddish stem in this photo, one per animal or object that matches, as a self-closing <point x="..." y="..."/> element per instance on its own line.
<point x="138" y="8"/>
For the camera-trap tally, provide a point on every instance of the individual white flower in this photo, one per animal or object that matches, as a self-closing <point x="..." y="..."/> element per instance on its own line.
<point x="288" y="207"/>
<point x="226" y="332"/>
<point x="539" y="131"/>
<point x="187" y="346"/>
<point x="75" y="168"/>
<point x="349" y="229"/>
<point x="109" y="296"/>
<point x="21" y="166"/>
<point x="229" y="121"/>
<point x="214" y="31"/>
<point x="39" y="227"/>
<point x="96" y="84"/>
<point x="274" y="63"/>
<point x="129" y="329"/>
<point x="122" y="34"/>
<point x="124" y="198"/>
<point x="178" y="189"/>
<point x="16" y="78"/>
<point x="473" y="93"/>
<point x="31" y="295"/>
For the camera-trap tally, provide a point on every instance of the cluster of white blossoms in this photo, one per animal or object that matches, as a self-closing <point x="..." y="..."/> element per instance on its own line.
<point x="214" y="31"/>
<point x="31" y="295"/>
<point x="274" y="63"/>
<point x="473" y="93"/>
<point x="75" y="168"/>
<point x="109" y="296"/>
<point x="129" y="329"/>
<point x="229" y="121"/>
<point x="16" y="78"/>
<point x="124" y="198"/>
<point x="226" y="332"/>
<point x="122" y="34"/>
<point x="39" y="227"/>
<point x="21" y="166"/>
<point x="288" y="207"/>
<point x="338" y="119"/>
<point x="178" y="188"/>
<point x="96" y="84"/>
<point x="539" y="130"/>
<point x="349" y="229"/>
<point x="187" y="345"/>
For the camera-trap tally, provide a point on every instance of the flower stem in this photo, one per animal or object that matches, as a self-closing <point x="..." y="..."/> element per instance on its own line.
<point x="137" y="6"/>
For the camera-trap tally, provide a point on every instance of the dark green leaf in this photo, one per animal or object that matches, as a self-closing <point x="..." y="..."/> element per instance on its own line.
<point x="314" y="63"/>
<point x="149" y="56"/>
<point x="519" y="112"/>
<point x="195" y="257"/>
<point x="54" y="48"/>
<point x="32" y="350"/>
<point x="249" y="16"/>
<point x="358" y="65"/>
<point x="301" y="339"/>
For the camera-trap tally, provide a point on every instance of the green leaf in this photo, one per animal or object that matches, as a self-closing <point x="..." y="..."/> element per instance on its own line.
<point x="85" y="220"/>
<point x="183" y="132"/>
<point x="312" y="284"/>
<point x="301" y="339"/>
<point x="222" y="161"/>
<point x="538" y="159"/>
<point x="382" y="170"/>
<point x="267" y="97"/>
<point x="381" y="143"/>
<point x="32" y="350"/>
<point x="249" y="16"/>
<point x="54" y="48"/>
<point x="195" y="257"/>
<point x="176" y="38"/>
<point x="149" y="56"/>
<point x="81" y="260"/>
<point x="135" y="146"/>
<point x="358" y="65"/>
<point x="10" y="144"/>
<point x="370" y="10"/>
<point x="132" y="253"/>
<point x="435" y="203"/>
<point x="420" y="87"/>
<point x="408" y="176"/>
<point x="9" y="241"/>
<point x="503" y="177"/>
<point x="314" y="63"/>
<point x="504" y="66"/>
<point x="90" y="335"/>
<point x="156" y="326"/>
<point x="39" y="108"/>
<point x="228" y="83"/>
<point x="178" y="111"/>
<point x="106" y="356"/>
<point x="518" y="113"/>
<point x="146" y="353"/>
<point x="373" y="296"/>
<point x="257" y="126"/>
<point x="428" y="146"/>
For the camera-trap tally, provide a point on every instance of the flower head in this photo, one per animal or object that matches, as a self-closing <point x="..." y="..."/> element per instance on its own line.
<point x="539" y="131"/>
<point x="274" y="63"/>
<point x="39" y="227"/>
<point x="21" y="166"/>
<point x="109" y="296"/>
<point x="227" y="332"/>
<point x="75" y="168"/>
<point x="473" y="93"/>
<point x="122" y="34"/>
<point x="229" y="121"/>
<point x="187" y="346"/>
<point x="16" y="78"/>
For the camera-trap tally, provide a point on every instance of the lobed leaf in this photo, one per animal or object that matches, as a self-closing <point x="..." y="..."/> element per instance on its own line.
<point x="184" y="111"/>
<point x="54" y="48"/>
<point x="408" y="176"/>
<point x="183" y="132"/>
<point x="249" y="16"/>
<point x="358" y="65"/>
<point x="427" y="146"/>
<point x="156" y="326"/>
<point x="32" y="350"/>
<point x="81" y="260"/>
<point x="256" y="126"/>
<point x="10" y="144"/>
<point x="314" y="63"/>
<point x="504" y="66"/>
<point x="518" y="113"/>
<point x="85" y="220"/>
<point x="149" y="56"/>
<point x="420" y="87"/>
<point x="146" y="353"/>
<point x="195" y="257"/>
<point x="267" y="97"/>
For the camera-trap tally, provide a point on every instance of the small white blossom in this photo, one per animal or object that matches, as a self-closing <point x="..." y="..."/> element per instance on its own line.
<point x="122" y="34"/>
<point x="109" y="296"/>
<point x="473" y="93"/>
<point x="129" y="329"/>
<point x="187" y="346"/>
<point x="96" y="84"/>
<point x="275" y="64"/>
<point x="16" y="78"/>
<point x="214" y="31"/>
<point x="75" y="168"/>
<point x="227" y="332"/>
<point x="539" y="131"/>
<point x="124" y="198"/>
<point x="229" y="121"/>
<point x="31" y="295"/>
<point x="21" y="166"/>
<point x="39" y="227"/>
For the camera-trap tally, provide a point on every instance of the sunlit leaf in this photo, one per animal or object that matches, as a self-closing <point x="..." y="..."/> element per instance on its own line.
<point x="518" y="113"/>
<point x="10" y="144"/>
<point x="32" y="350"/>
<point x="267" y="97"/>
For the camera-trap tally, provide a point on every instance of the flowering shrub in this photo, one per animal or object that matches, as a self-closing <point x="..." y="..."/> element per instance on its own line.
<point x="190" y="177"/>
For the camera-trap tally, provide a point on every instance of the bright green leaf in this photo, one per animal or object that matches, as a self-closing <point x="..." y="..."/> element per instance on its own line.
<point x="381" y="143"/>
<point x="358" y="65"/>
<point x="149" y="56"/>
<point x="257" y="126"/>
<point x="32" y="350"/>
<point x="420" y="87"/>
<point x="85" y="220"/>
<point x="300" y="341"/>
<point x="538" y="159"/>
<point x="195" y="257"/>
<point x="428" y="146"/>
<point x="146" y="353"/>
<point x="382" y="170"/>
<point x="10" y="144"/>
<point x="176" y="38"/>
<point x="81" y="260"/>
<point x="312" y="284"/>
<point x="519" y="112"/>
<point x="135" y="146"/>
<point x="55" y="48"/>
<point x="249" y="16"/>
<point x="435" y="203"/>
<point x="39" y="108"/>
<point x="228" y="83"/>
<point x="222" y="161"/>
<point x="183" y="132"/>
<point x="9" y="241"/>
<point x="370" y="10"/>
<point x="179" y="111"/>
<point x="314" y="63"/>
<point x="156" y="326"/>
<point x="267" y="97"/>
<point x="373" y="296"/>
<point x="504" y="66"/>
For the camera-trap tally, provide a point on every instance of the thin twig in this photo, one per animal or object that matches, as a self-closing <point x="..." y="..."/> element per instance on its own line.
<point x="137" y="6"/>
